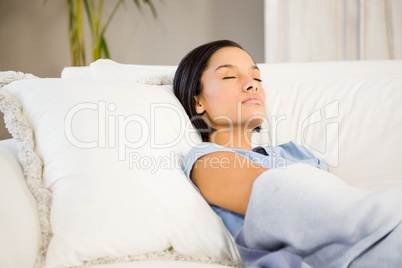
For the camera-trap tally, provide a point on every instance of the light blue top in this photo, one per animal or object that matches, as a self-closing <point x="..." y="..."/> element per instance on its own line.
<point x="268" y="157"/>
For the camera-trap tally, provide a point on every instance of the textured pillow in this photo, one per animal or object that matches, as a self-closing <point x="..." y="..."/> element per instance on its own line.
<point x="355" y="125"/>
<point x="111" y="157"/>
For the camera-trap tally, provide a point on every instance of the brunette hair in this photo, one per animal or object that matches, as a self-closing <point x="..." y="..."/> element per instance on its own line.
<point x="187" y="80"/>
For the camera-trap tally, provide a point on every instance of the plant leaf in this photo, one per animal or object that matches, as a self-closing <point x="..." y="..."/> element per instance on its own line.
<point x="149" y="3"/>
<point x="104" y="48"/>
<point x="110" y="17"/>
<point x="89" y="13"/>
<point x="152" y="7"/>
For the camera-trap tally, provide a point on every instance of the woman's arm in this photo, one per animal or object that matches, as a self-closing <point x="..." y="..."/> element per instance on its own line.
<point x="226" y="179"/>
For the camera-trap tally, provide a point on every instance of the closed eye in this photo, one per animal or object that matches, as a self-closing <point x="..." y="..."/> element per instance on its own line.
<point x="257" y="79"/>
<point x="229" y="77"/>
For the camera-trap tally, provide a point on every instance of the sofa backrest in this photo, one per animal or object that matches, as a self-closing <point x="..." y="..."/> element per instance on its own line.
<point x="343" y="111"/>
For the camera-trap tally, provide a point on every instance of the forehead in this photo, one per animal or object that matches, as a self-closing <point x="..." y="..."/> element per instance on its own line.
<point x="230" y="55"/>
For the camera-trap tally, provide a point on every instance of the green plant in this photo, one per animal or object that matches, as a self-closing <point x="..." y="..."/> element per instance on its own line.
<point x="94" y="14"/>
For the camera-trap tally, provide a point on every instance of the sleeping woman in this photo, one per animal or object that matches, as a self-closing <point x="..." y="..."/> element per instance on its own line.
<point x="219" y="85"/>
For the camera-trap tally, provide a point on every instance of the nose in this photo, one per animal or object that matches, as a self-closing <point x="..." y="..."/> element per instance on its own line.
<point x="251" y="85"/>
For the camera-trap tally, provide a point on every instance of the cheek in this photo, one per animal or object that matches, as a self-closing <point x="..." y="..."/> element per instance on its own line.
<point x="219" y="104"/>
<point x="215" y="95"/>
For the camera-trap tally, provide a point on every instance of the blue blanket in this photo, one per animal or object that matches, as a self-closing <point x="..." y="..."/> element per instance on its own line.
<point x="305" y="217"/>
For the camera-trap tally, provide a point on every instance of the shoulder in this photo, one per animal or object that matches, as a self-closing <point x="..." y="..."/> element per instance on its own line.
<point x="199" y="151"/>
<point x="207" y="147"/>
<point x="217" y="153"/>
<point x="225" y="177"/>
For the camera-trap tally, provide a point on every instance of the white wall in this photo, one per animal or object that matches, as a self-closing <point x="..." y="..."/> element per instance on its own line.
<point x="33" y="36"/>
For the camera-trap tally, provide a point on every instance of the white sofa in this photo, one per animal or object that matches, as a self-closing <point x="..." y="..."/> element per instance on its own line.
<point x="348" y="113"/>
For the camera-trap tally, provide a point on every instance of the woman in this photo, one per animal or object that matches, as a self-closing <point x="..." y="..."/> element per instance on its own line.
<point x="297" y="217"/>
<point x="219" y="85"/>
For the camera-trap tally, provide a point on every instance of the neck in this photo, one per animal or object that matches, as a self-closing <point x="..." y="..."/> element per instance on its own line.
<point x="238" y="138"/>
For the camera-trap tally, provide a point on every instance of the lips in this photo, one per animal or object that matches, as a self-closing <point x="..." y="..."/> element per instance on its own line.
<point x="253" y="99"/>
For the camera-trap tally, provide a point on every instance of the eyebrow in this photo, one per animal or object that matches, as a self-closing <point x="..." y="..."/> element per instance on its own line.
<point x="253" y="67"/>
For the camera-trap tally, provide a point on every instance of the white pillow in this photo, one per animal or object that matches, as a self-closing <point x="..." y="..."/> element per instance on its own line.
<point x="108" y="70"/>
<point x="76" y="72"/>
<point x="111" y="155"/>
<point x="355" y="125"/>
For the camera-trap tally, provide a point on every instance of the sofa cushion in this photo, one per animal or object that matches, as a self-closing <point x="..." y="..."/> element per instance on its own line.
<point x="19" y="225"/>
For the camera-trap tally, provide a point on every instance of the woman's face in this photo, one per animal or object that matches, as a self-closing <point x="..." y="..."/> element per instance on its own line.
<point x="231" y="94"/>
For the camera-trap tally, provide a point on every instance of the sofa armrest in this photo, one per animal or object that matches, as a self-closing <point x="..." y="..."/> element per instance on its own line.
<point x="19" y="225"/>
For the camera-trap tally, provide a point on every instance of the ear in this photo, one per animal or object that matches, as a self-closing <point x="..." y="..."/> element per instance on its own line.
<point x="199" y="108"/>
